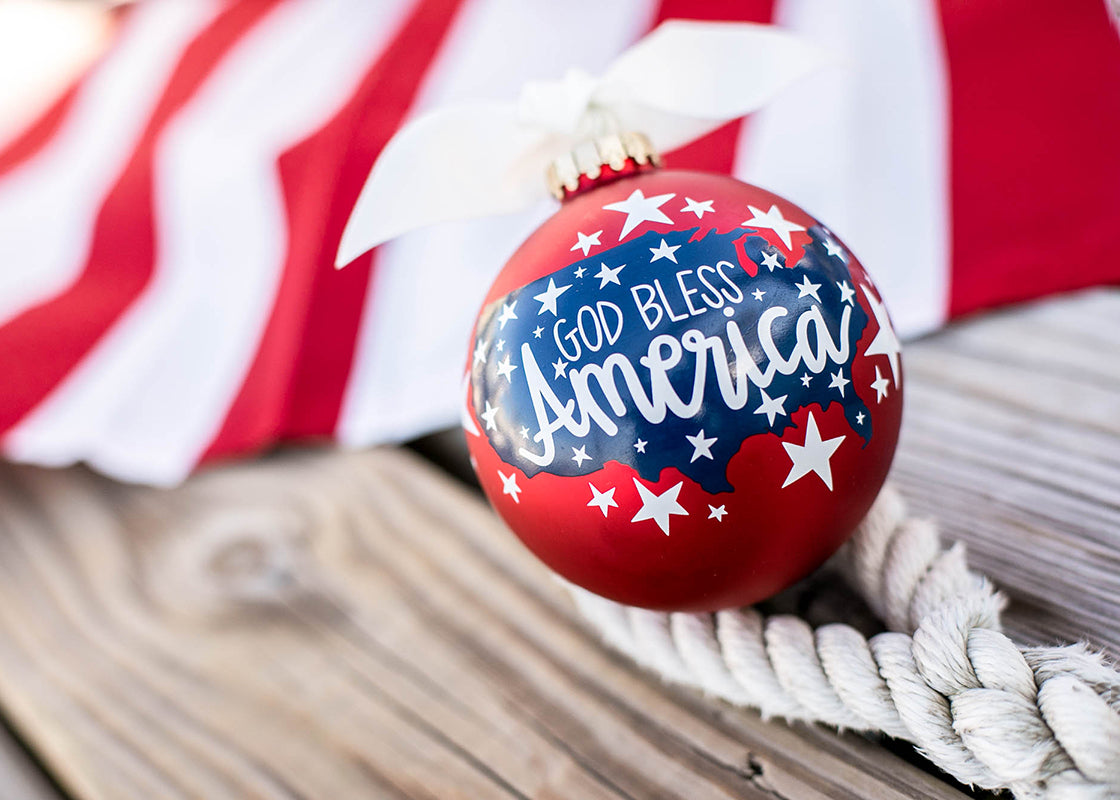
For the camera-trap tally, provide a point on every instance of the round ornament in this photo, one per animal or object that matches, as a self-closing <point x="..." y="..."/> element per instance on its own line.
<point x="684" y="390"/>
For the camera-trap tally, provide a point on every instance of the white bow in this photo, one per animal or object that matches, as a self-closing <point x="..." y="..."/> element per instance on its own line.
<point x="681" y="81"/>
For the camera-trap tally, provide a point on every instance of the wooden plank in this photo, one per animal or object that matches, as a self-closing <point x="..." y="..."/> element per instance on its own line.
<point x="20" y="779"/>
<point x="358" y="625"/>
<point x="1012" y="442"/>
<point x="347" y="625"/>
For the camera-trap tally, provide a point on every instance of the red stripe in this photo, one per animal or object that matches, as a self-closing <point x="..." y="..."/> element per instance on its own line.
<point x="44" y="343"/>
<point x="296" y="383"/>
<point x="1035" y="148"/>
<point x="716" y="10"/>
<point x="33" y="138"/>
<point x="714" y="152"/>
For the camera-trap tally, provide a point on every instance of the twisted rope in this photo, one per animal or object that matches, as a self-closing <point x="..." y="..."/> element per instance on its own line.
<point x="1043" y="722"/>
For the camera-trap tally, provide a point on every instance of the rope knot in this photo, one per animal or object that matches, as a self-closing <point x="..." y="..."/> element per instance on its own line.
<point x="1044" y="722"/>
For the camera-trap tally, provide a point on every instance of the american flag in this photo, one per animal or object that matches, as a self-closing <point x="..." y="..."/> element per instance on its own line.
<point x="168" y="226"/>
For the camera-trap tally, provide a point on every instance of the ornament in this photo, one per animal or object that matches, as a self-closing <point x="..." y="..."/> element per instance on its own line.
<point x="722" y="409"/>
<point x="684" y="391"/>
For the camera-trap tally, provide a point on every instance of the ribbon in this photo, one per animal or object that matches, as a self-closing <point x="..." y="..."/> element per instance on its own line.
<point x="459" y="162"/>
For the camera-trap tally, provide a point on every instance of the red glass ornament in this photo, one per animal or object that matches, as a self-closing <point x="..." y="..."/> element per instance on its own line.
<point x="684" y="391"/>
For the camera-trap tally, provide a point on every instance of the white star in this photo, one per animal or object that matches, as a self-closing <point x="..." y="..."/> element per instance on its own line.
<point x="758" y="294"/>
<point x="813" y="456"/>
<point x="547" y="298"/>
<point x="537" y="331"/>
<point x="718" y="512"/>
<point x="640" y="445"/>
<point x="602" y="500"/>
<point x="664" y="251"/>
<point x="559" y="365"/>
<point x="700" y="446"/>
<point x="771" y="407"/>
<point x="509" y="485"/>
<point x="501" y="345"/>
<point x="585" y="243"/>
<point x="607" y="275"/>
<point x="698" y="207"/>
<point x="524" y="432"/>
<point x="480" y="353"/>
<point x="579" y="272"/>
<point x="805" y="289"/>
<point x="770" y="260"/>
<point x="805" y="380"/>
<point x="885" y="342"/>
<point x="507" y="314"/>
<point x="659" y="507"/>
<point x="488" y="416"/>
<point x="839" y="381"/>
<point x="833" y="248"/>
<point x="773" y="220"/>
<point x="846" y="292"/>
<point x="860" y="417"/>
<point x="880" y="385"/>
<point x="580" y="455"/>
<point x="638" y="209"/>
<point x="505" y="369"/>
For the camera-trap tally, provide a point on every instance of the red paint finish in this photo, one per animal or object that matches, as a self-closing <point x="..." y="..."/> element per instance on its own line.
<point x="771" y="536"/>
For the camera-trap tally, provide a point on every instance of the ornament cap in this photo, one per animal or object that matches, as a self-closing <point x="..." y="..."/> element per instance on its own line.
<point x="608" y="157"/>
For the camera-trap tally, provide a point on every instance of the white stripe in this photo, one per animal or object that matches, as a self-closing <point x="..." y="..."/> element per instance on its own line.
<point x="152" y="395"/>
<point x="864" y="146"/>
<point x="44" y="48"/>
<point x="427" y="286"/>
<point x="49" y="204"/>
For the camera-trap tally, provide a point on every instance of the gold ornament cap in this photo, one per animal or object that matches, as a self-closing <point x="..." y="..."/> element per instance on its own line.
<point x="612" y="156"/>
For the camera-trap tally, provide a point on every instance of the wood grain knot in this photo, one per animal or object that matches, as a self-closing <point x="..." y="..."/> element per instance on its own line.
<point x="234" y="560"/>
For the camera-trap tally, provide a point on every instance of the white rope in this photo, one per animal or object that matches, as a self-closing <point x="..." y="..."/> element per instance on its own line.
<point x="1043" y="722"/>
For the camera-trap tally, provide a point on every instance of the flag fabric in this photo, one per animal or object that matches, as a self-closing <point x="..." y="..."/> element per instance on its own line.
<point x="168" y="226"/>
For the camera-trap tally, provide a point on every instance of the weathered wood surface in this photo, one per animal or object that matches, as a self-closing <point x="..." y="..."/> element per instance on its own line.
<point x="20" y="778"/>
<point x="331" y="626"/>
<point x="1012" y="442"/>
<point x="358" y="625"/>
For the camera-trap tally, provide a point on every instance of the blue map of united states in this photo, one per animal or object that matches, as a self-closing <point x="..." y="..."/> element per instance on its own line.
<point x="664" y="351"/>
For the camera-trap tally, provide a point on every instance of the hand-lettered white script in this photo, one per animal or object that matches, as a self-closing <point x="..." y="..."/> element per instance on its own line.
<point x="811" y="347"/>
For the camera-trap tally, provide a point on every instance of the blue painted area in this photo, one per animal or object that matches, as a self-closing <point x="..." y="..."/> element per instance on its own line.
<point x="601" y="338"/>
